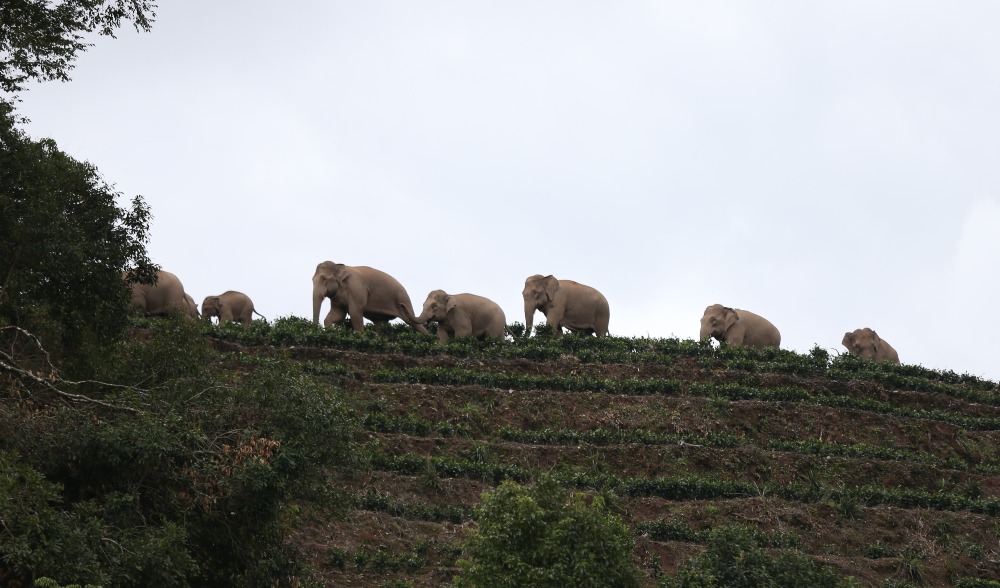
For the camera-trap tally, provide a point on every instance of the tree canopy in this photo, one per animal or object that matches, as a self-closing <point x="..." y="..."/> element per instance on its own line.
<point x="64" y="243"/>
<point x="40" y="39"/>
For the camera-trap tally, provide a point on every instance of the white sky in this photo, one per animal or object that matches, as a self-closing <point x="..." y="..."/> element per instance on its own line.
<point x="826" y="165"/>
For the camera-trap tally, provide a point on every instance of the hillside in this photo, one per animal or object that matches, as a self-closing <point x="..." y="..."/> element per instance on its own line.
<point x="887" y="473"/>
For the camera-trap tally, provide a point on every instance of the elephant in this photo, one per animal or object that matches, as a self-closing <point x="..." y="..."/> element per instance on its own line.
<point x="230" y="306"/>
<point x="461" y="315"/>
<point x="738" y="328"/>
<point x="191" y="307"/>
<point x="361" y="292"/>
<point x="565" y="303"/>
<point x="867" y="344"/>
<point x="162" y="298"/>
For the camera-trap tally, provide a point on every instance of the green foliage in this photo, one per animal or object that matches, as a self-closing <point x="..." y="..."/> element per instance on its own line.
<point x="977" y="583"/>
<point x="194" y="482"/>
<point x="50" y="583"/>
<point x="542" y="537"/>
<point x="40" y="39"/>
<point x="677" y="531"/>
<point x="63" y="245"/>
<point x="383" y="502"/>
<point x="733" y="559"/>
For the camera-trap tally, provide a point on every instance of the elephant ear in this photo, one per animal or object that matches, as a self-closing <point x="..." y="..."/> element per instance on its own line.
<point x="731" y="317"/>
<point x="848" y="341"/>
<point x="876" y="340"/>
<point x="339" y="275"/>
<point x="450" y="304"/>
<point x="551" y="286"/>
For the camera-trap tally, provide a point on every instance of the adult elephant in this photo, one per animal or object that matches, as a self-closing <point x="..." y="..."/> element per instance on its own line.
<point x="191" y="307"/>
<point x="230" y="306"/>
<point x="738" y="328"/>
<point x="461" y="315"/>
<point x="361" y="292"/>
<point x="161" y="298"/>
<point x="867" y="344"/>
<point x="565" y="303"/>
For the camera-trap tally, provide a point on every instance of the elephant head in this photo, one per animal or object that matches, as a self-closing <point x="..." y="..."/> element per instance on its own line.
<point x="436" y="307"/>
<point x="328" y="279"/>
<point x="717" y="320"/>
<point x="539" y="291"/>
<point x="862" y="342"/>
<point x="210" y="307"/>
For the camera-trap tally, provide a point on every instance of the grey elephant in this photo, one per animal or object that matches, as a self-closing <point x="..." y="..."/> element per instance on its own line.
<point x="461" y="315"/>
<point x="230" y="306"/>
<point x="737" y="327"/>
<point x="361" y="292"/>
<point x="191" y="307"/>
<point x="867" y="344"/>
<point x="160" y="299"/>
<point x="565" y="303"/>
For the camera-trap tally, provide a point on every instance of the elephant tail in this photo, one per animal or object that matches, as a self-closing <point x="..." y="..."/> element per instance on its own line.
<point x="260" y="315"/>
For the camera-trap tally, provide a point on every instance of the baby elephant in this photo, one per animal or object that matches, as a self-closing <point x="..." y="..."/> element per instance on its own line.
<point x="738" y="327"/>
<point x="867" y="344"/>
<point x="230" y="306"/>
<point x="461" y="315"/>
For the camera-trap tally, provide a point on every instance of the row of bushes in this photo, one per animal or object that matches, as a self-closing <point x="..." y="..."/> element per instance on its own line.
<point x="398" y="338"/>
<point x="689" y="487"/>
<point x="454" y="376"/>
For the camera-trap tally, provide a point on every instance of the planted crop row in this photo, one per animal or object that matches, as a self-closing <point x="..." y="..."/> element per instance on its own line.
<point x="662" y="530"/>
<point x="465" y="377"/>
<point x="644" y="386"/>
<point x="415" y="426"/>
<point x="383" y="502"/>
<point x="690" y="487"/>
<point x="294" y="331"/>
<point x="549" y="436"/>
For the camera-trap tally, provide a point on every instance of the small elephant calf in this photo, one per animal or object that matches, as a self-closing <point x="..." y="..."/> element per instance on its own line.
<point x="461" y="315"/>
<point x="230" y="306"/>
<point x="867" y="344"/>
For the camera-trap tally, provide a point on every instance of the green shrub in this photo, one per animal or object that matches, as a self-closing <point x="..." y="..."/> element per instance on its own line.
<point x="542" y="536"/>
<point x="734" y="560"/>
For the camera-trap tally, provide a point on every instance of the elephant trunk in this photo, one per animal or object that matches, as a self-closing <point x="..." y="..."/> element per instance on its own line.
<point x="706" y="333"/>
<point x="529" y="317"/>
<point x="422" y="319"/>
<point x="409" y="315"/>
<point x="318" y="296"/>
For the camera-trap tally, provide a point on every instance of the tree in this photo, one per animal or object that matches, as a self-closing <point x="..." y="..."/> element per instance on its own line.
<point x="40" y="39"/>
<point x="64" y="243"/>
<point x="544" y="536"/>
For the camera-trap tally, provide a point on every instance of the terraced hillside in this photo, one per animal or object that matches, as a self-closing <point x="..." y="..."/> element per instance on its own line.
<point x="887" y="473"/>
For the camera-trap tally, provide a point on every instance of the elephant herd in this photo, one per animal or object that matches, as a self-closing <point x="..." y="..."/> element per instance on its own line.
<point x="361" y="291"/>
<point x="168" y="295"/>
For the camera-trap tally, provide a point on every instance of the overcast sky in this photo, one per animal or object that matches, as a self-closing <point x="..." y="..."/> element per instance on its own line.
<point x="829" y="166"/>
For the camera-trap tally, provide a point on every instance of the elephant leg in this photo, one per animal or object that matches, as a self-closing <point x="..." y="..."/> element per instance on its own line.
<point x="336" y="316"/>
<point x="736" y="335"/>
<point x="460" y="323"/>
<point x="554" y="319"/>
<point x="357" y="317"/>
<point x="442" y="333"/>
